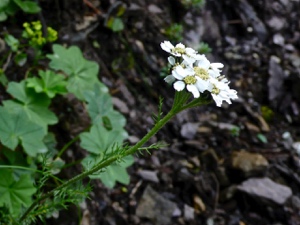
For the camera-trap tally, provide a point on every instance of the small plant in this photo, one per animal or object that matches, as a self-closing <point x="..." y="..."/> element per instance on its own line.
<point x="174" y="32"/>
<point x="10" y="7"/>
<point x="235" y="131"/>
<point x="193" y="3"/>
<point x="33" y="32"/>
<point x="27" y="144"/>
<point x="204" y="48"/>
<point x="34" y="38"/>
<point x="267" y="113"/>
<point x="113" y="18"/>
<point x="29" y="159"/>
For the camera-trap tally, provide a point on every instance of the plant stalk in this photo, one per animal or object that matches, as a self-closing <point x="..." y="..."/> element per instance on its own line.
<point x="105" y="163"/>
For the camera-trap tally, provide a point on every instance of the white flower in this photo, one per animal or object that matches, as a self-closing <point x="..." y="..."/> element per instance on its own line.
<point x="195" y="73"/>
<point x="170" y="79"/>
<point x="188" y="54"/>
<point x="220" y="91"/>
<point x="216" y="67"/>
<point x="171" y="60"/>
<point x="185" y="78"/>
<point x="204" y="73"/>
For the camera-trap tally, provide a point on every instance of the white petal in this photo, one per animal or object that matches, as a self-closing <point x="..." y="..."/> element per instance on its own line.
<point x="216" y="65"/>
<point x="203" y="63"/>
<point x="171" y="60"/>
<point x="217" y="100"/>
<point x="180" y="46"/>
<point x="179" y="73"/>
<point x="214" y="73"/>
<point x="167" y="46"/>
<point x="193" y="89"/>
<point x="190" y="51"/>
<point x="202" y="85"/>
<point x="179" y="85"/>
<point x="232" y="94"/>
<point x="188" y="59"/>
<point x="169" y="79"/>
<point x="198" y="57"/>
<point x="186" y="63"/>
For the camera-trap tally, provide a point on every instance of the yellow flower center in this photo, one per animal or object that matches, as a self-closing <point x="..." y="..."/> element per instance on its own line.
<point x="202" y="73"/>
<point x="215" y="90"/>
<point x="178" y="50"/>
<point x="190" y="79"/>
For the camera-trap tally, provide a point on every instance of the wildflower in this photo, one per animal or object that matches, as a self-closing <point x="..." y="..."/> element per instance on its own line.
<point x="186" y="78"/>
<point x="204" y="73"/>
<point x="220" y="91"/>
<point x="195" y="73"/>
<point x="216" y="66"/>
<point x="179" y="50"/>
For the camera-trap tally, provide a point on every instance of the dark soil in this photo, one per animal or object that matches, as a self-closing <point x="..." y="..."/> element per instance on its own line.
<point x="259" y="43"/>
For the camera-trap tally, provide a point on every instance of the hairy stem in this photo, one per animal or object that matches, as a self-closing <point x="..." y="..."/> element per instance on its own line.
<point x="105" y="163"/>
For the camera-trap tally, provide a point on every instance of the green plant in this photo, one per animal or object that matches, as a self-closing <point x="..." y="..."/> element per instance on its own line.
<point x="10" y="7"/>
<point x="113" y="18"/>
<point x="29" y="160"/>
<point x="193" y="3"/>
<point x="267" y="113"/>
<point x="32" y="37"/>
<point x="204" y="48"/>
<point x="174" y="32"/>
<point x="24" y="135"/>
<point x="33" y="32"/>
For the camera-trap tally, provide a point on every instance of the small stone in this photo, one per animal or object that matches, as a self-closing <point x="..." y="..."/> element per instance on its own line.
<point x="149" y="175"/>
<point x="276" y="23"/>
<point x="278" y="39"/>
<point x="199" y="204"/>
<point x="133" y="139"/>
<point x="296" y="147"/>
<point x="120" y="105"/>
<point x="266" y="189"/>
<point x="155" y="207"/>
<point x="188" y="212"/>
<point x="295" y="200"/>
<point x="86" y="218"/>
<point x="189" y="130"/>
<point x="154" y="9"/>
<point x="177" y="212"/>
<point x="248" y="162"/>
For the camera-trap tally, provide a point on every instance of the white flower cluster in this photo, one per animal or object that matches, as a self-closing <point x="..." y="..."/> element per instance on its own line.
<point x="194" y="72"/>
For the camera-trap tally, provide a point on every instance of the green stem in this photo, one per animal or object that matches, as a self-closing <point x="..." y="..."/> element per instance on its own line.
<point x="107" y="162"/>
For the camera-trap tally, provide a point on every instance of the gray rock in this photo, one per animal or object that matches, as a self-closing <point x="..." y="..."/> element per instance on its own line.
<point x="278" y="39"/>
<point x="149" y="175"/>
<point x="295" y="202"/>
<point x="189" y="130"/>
<point x="154" y="9"/>
<point x="121" y="106"/>
<point x="276" y="23"/>
<point x="155" y="207"/>
<point x="266" y="189"/>
<point x="188" y="212"/>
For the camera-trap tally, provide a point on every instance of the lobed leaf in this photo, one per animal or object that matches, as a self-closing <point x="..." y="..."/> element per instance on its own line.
<point x="100" y="140"/>
<point x="15" y="128"/>
<point x="28" y="6"/>
<point x="34" y="106"/>
<point x="50" y="83"/>
<point x="100" y="108"/>
<point x="15" y="194"/>
<point x="82" y="73"/>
